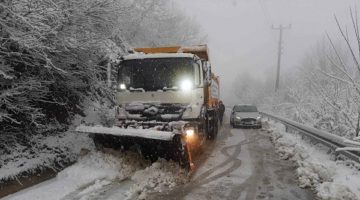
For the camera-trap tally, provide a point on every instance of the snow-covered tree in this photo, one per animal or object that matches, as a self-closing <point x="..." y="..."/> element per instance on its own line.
<point x="53" y="53"/>
<point x="325" y="90"/>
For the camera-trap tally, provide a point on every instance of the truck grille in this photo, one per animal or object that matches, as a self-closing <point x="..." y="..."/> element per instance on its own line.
<point x="158" y="112"/>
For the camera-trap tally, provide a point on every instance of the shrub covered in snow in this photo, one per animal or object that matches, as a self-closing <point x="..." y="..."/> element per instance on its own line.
<point x="22" y="155"/>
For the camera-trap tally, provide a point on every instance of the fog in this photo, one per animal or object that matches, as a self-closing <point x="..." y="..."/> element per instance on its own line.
<point x="241" y="40"/>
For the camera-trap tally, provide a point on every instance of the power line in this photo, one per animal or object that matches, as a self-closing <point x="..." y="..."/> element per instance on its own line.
<point x="280" y="28"/>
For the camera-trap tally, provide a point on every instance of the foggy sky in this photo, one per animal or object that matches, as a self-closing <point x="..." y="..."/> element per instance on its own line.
<point x="240" y="37"/>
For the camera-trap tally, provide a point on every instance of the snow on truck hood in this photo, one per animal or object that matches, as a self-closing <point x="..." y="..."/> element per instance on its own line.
<point x="157" y="55"/>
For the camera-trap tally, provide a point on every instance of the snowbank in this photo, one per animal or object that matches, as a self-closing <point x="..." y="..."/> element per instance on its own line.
<point x="160" y="176"/>
<point x="91" y="172"/>
<point x="41" y="152"/>
<point x="22" y="155"/>
<point x="89" y="177"/>
<point x="331" y="180"/>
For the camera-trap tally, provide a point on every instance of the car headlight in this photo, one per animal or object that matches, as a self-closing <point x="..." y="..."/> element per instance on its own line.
<point x="258" y="118"/>
<point x="237" y="117"/>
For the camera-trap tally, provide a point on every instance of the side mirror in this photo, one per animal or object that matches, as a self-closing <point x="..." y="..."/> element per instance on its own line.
<point x="207" y="70"/>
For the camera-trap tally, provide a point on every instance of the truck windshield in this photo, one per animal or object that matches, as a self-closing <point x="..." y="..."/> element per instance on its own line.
<point x="154" y="74"/>
<point x="245" y="109"/>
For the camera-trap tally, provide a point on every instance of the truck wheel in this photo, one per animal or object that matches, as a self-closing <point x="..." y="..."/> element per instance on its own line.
<point x="185" y="160"/>
<point x="217" y="125"/>
<point x="213" y="130"/>
<point x="181" y="153"/>
<point x="98" y="142"/>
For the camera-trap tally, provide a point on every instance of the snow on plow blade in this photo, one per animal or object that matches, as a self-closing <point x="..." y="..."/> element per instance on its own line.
<point x="152" y="144"/>
<point x="116" y="131"/>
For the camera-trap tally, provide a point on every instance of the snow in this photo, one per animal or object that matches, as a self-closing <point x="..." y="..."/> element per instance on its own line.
<point x="215" y="163"/>
<point x="158" y="55"/>
<point x="160" y="176"/>
<point x="96" y="171"/>
<point x="135" y="116"/>
<point x="95" y="113"/>
<point x="93" y="170"/>
<point x="170" y="116"/>
<point x="44" y="152"/>
<point x="316" y="168"/>
<point x="348" y="149"/>
<point x="137" y="89"/>
<point x="331" y="191"/>
<point x="193" y="48"/>
<point x="31" y="153"/>
<point x="98" y="185"/>
<point x="135" y="106"/>
<point x="141" y="133"/>
<point x="152" y="110"/>
<point x="352" y="143"/>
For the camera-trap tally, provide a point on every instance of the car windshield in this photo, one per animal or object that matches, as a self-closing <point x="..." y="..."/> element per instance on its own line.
<point x="245" y="109"/>
<point x="154" y="74"/>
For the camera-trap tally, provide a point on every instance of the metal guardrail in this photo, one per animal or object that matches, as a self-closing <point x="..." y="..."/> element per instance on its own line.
<point x="330" y="140"/>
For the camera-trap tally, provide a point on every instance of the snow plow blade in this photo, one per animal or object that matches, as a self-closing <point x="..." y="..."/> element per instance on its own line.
<point x="152" y="144"/>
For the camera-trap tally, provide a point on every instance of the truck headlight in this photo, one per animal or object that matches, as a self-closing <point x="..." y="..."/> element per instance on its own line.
<point x="122" y="86"/>
<point x="186" y="85"/>
<point x="190" y="133"/>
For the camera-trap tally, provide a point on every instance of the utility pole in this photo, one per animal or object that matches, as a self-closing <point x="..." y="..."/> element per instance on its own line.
<point x="280" y="28"/>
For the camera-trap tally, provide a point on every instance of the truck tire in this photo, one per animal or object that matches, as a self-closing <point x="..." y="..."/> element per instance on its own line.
<point x="98" y="142"/>
<point x="213" y="127"/>
<point x="181" y="153"/>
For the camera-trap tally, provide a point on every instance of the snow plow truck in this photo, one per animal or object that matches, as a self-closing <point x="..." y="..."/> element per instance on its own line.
<point x="167" y="104"/>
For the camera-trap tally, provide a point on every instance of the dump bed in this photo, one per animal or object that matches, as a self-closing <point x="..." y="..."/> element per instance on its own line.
<point x="214" y="90"/>
<point x="200" y="50"/>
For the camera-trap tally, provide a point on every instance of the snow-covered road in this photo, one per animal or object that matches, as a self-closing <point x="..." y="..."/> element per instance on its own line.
<point x="242" y="164"/>
<point x="112" y="176"/>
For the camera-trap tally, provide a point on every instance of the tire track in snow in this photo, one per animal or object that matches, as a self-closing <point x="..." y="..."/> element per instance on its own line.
<point x="102" y="189"/>
<point x="271" y="179"/>
<point x="232" y="158"/>
<point x="249" y="185"/>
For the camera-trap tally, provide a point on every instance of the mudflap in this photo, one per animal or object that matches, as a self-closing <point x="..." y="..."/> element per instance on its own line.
<point x="151" y="149"/>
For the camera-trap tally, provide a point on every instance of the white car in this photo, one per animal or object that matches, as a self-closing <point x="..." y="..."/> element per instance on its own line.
<point x="245" y="116"/>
